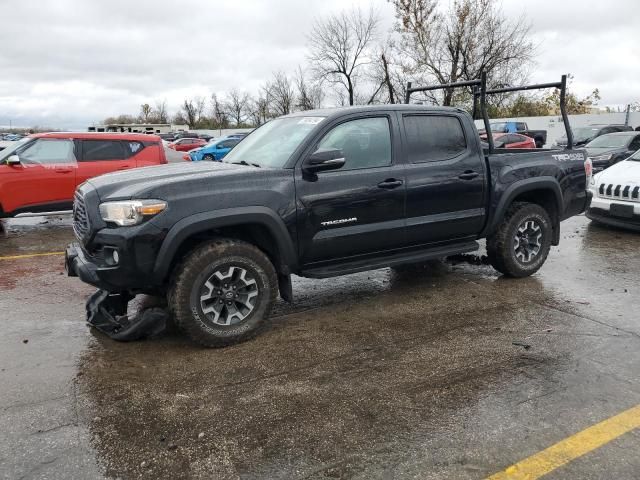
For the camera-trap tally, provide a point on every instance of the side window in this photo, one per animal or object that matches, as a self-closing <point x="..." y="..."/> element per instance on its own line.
<point x="96" y="150"/>
<point x="432" y="138"/>
<point x="520" y="127"/>
<point x="49" y="151"/>
<point x="132" y="148"/>
<point x="365" y="143"/>
<point x="635" y="144"/>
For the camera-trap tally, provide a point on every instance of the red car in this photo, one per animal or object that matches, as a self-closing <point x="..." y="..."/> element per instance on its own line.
<point x="511" y="140"/>
<point x="40" y="173"/>
<point x="186" y="144"/>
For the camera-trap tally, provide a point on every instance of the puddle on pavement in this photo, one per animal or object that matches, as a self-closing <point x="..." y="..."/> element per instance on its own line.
<point x="372" y="363"/>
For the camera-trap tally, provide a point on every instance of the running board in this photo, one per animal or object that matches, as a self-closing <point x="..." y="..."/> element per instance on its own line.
<point x="390" y="260"/>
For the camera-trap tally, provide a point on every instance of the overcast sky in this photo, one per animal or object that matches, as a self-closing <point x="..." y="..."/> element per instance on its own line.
<point x="68" y="63"/>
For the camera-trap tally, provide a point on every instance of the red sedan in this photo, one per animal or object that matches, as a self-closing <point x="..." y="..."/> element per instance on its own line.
<point x="511" y="140"/>
<point x="41" y="172"/>
<point x="186" y="144"/>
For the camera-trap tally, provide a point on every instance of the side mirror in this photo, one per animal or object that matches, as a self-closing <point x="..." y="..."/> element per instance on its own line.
<point x="13" y="160"/>
<point x="324" y="159"/>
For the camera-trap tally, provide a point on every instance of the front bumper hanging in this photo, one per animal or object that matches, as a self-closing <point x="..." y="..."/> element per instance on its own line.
<point x="107" y="312"/>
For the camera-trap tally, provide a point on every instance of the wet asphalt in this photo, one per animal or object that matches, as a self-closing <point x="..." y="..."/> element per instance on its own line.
<point x="444" y="370"/>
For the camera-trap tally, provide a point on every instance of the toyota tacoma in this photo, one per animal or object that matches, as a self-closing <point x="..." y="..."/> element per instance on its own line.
<point x="317" y="194"/>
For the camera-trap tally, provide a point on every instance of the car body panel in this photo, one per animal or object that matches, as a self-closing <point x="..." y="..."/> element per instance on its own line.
<point x="49" y="186"/>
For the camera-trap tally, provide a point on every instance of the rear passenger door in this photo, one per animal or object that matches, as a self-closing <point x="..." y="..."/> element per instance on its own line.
<point x="102" y="156"/>
<point x="445" y="179"/>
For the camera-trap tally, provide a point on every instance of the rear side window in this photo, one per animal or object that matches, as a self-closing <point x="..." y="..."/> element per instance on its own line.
<point x="96" y="150"/>
<point x="520" y="127"/>
<point x="433" y="138"/>
<point x="132" y="148"/>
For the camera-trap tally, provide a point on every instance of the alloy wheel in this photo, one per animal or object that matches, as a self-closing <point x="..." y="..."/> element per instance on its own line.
<point x="528" y="241"/>
<point x="229" y="295"/>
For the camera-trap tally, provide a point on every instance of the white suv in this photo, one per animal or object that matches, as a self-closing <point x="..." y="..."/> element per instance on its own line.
<point x="616" y="194"/>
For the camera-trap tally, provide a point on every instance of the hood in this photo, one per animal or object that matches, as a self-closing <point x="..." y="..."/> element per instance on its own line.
<point x="144" y="182"/>
<point x="626" y="172"/>
<point x="594" y="151"/>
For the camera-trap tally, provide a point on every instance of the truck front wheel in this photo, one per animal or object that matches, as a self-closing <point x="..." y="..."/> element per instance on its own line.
<point x="520" y="245"/>
<point x="222" y="292"/>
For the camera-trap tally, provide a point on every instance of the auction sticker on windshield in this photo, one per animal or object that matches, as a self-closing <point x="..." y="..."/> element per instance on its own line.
<point x="310" y="120"/>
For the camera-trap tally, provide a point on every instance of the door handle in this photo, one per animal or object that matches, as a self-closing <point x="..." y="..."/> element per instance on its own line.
<point x="124" y="167"/>
<point x="63" y="170"/>
<point x="468" y="175"/>
<point x="390" y="183"/>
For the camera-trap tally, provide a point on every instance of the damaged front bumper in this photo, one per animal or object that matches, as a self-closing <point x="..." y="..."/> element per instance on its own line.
<point x="107" y="312"/>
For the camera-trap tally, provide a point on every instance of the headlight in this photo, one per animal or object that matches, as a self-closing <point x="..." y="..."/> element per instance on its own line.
<point x="130" y="212"/>
<point x="605" y="156"/>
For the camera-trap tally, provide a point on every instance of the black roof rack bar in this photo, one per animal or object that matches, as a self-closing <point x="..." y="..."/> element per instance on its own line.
<point x="479" y="85"/>
<point x="444" y="86"/>
<point x="480" y="91"/>
<point x="561" y="85"/>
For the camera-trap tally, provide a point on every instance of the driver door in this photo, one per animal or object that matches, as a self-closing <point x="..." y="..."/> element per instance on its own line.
<point x="359" y="208"/>
<point x="45" y="178"/>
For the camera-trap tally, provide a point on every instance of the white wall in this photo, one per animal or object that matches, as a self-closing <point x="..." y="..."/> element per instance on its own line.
<point x="555" y="128"/>
<point x="223" y="132"/>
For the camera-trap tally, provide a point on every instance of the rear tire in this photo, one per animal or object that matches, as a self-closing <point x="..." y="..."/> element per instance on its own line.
<point x="521" y="244"/>
<point x="222" y="292"/>
<point x="208" y="157"/>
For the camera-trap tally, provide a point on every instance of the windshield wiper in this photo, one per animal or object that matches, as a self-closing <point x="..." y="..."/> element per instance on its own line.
<point x="243" y="162"/>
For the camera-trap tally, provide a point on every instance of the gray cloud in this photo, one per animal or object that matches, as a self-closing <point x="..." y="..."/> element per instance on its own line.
<point x="70" y="62"/>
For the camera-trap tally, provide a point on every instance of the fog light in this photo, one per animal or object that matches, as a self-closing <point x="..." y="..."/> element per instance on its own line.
<point x="111" y="256"/>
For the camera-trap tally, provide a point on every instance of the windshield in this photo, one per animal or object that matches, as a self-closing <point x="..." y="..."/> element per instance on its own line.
<point x="10" y="150"/>
<point x="609" y="141"/>
<point x="272" y="144"/>
<point x="584" y="133"/>
<point x="499" y="127"/>
<point x="635" y="157"/>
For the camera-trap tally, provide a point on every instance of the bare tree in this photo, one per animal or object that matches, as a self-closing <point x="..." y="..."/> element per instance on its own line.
<point x="259" y="110"/>
<point x="218" y="113"/>
<point x="160" y="112"/>
<point x="280" y="94"/>
<point x="309" y="94"/>
<point x="236" y="105"/>
<point x="389" y="74"/>
<point x="339" y="47"/>
<point x="459" y="43"/>
<point x="193" y="110"/>
<point x="145" y="112"/>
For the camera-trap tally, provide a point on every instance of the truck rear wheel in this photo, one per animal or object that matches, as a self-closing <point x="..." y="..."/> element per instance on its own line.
<point x="521" y="244"/>
<point x="222" y="292"/>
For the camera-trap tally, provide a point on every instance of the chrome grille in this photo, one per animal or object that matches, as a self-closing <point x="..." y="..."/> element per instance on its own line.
<point x="80" y="218"/>
<point x="630" y="193"/>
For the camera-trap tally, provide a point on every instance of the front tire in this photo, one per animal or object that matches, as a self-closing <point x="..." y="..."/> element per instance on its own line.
<point x="521" y="244"/>
<point x="223" y="292"/>
<point x="208" y="157"/>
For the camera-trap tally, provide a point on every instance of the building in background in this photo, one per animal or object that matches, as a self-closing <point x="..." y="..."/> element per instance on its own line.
<point x="139" y="128"/>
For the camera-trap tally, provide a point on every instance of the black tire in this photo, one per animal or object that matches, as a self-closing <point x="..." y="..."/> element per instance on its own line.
<point x="208" y="157"/>
<point x="521" y="243"/>
<point x="196" y="277"/>
<point x="539" y="143"/>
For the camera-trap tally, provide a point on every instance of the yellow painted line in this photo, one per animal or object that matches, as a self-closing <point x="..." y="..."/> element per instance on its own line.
<point x="572" y="447"/>
<point x="31" y="255"/>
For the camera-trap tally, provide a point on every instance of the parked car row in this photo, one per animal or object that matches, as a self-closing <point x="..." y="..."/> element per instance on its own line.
<point x="212" y="151"/>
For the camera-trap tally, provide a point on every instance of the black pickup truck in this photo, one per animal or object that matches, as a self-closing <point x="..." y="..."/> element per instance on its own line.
<point x="317" y="194"/>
